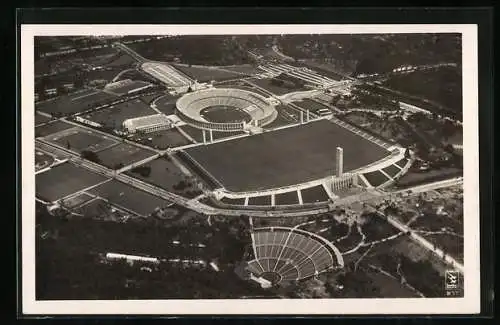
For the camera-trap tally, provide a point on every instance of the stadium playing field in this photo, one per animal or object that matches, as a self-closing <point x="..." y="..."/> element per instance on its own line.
<point x="63" y="180"/>
<point x="285" y="157"/>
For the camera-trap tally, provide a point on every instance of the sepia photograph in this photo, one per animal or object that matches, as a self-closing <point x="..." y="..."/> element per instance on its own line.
<point x="315" y="169"/>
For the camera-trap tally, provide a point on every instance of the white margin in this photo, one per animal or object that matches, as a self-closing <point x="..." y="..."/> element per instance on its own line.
<point x="469" y="304"/>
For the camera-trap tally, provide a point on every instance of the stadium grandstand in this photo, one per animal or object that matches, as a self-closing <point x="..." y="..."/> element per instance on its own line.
<point x="290" y="254"/>
<point x="147" y="124"/>
<point x="191" y="106"/>
<point x="167" y="74"/>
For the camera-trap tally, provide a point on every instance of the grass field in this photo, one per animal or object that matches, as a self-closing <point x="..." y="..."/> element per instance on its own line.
<point x="376" y="178"/>
<point x="391" y="170"/>
<point x="224" y="114"/>
<point x="284" y="157"/>
<point x="163" y="139"/>
<point x="314" y="194"/>
<point x="40" y="119"/>
<point x="166" y="104"/>
<point x="76" y="102"/>
<point x="287" y="198"/>
<point x="77" y="200"/>
<point x="122" y="154"/>
<point x="203" y="74"/>
<point x="311" y="105"/>
<point x="114" y="116"/>
<point x="260" y="200"/>
<point x="63" y="180"/>
<point x="78" y="139"/>
<point x="164" y="174"/>
<point x="128" y="197"/>
<point x="243" y="86"/>
<point x="51" y="128"/>
<point x="275" y="89"/>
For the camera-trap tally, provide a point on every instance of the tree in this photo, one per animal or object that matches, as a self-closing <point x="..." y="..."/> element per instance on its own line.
<point x="90" y="155"/>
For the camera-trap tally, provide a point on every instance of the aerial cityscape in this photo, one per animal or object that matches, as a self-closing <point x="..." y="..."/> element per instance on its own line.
<point x="249" y="166"/>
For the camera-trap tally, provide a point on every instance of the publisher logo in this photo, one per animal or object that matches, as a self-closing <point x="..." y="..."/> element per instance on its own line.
<point x="451" y="280"/>
<point x="452" y="283"/>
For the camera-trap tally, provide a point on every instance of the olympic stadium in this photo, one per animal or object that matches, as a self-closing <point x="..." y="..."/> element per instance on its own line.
<point x="286" y="254"/>
<point x="239" y="109"/>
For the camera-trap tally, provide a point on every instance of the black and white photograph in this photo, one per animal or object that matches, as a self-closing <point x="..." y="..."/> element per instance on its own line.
<point x="207" y="169"/>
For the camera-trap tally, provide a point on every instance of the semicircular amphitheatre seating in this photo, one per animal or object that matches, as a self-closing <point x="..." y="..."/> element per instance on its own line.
<point x="289" y="254"/>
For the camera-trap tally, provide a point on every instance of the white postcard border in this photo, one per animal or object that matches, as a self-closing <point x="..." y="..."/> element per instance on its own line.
<point x="469" y="304"/>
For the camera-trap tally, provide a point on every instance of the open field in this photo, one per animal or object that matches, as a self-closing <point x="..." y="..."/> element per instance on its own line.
<point x="40" y="119"/>
<point x="114" y="116"/>
<point x="287" y="198"/>
<point x="243" y="86"/>
<point x="376" y="178"/>
<point x="260" y="200"/>
<point x="311" y="105"/>
<point x="275" y="89"/>
<point x="77" y="200"/>
<point x="63" y="180"/>
<point x="79" y="139"/>
<point x="122" y="154"/>
<point x="204" y="74"/>
<point x="268" y="163"/>
<point x="314" y="194"/>
<point x="391" y="170"/>
<point x="166" y="104"/>
<point x="163" y="139"/>
<point x="128" y="197"/>
<point x="164" y="174"/>
<point x="51" y="128"/>
<point x="76" y="102"/>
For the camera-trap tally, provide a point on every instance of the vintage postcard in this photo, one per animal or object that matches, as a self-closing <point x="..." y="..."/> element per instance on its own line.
<point x="250" y="169"/>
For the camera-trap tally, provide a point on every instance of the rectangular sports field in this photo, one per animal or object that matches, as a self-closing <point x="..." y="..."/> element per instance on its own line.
<point x="51" y="128"/>
<point x="113" y="116"/>
<point x="65" y="179"/>
<point x="123" y="154"/>
<point x="275" y="89"/>
<point x="76" y="102"/>
<point x="285" y="157"/>
<point x="129" y="197"/>
<point x="79" y="139"/>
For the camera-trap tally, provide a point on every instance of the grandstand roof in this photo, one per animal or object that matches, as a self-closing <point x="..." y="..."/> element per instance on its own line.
<point x="146" y="121"/>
